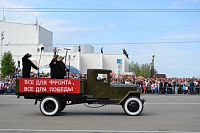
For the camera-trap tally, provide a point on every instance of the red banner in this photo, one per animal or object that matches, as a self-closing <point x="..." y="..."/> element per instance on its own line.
<point x="43" y="85"/>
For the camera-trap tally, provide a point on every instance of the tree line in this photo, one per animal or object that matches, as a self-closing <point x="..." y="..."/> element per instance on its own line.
<point x="143" y="70"/>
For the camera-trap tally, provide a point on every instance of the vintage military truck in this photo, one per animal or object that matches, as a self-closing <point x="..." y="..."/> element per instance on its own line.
<point x="55" y="94"/>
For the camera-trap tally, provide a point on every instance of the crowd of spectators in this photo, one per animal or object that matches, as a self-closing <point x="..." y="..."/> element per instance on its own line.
<point x="162" y="85"/>
<point x="8" y="84"/>
<point x="145" y="85"/>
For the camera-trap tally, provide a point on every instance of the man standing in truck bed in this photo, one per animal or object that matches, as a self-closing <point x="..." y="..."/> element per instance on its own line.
<point x="60" y="68"/>
<point x="52" y="65"/>
<point x="27" y="64"/>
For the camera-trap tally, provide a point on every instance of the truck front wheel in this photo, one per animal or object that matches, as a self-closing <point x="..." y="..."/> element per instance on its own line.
<point x="133" y="106"/>
<point x="50" y="106"/>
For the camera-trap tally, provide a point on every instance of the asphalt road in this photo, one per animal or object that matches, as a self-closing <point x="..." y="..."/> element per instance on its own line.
<point x="162" y="113"/>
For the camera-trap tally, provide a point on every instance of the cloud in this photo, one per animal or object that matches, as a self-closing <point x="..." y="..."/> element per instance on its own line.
<point x="82" y="29"/>
<point x="28" y="17"/>
<point x="55" y="25"/>
<point x="15" y="16"/>
<point x="184" y="3"/>
<point x="111" y="25"/>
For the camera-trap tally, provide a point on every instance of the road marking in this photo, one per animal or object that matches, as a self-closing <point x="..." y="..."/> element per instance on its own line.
<point x="99" y="131"/>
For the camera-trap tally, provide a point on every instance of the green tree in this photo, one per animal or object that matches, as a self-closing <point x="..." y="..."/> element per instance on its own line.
<point x="134" y="67"/>
<point x="141" y="69"/>
<point x="145" y="70"/>
<point x="7" y="64"/>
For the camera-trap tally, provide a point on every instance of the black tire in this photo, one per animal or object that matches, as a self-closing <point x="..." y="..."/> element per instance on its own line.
<point x="133" y="106"/>
<point x="50" y="106"/>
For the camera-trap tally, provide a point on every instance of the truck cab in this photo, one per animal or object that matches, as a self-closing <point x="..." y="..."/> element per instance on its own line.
<point x="98" y="83"/>
<point x="99" y="86"/>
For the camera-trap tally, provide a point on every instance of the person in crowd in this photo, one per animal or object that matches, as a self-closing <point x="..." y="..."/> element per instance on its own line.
<point x="144" y="87"/>
<point x="112" y="81"/>
<point x="160" y="87"/>
<point x="123" y="81"/>
<point x="52" y="65"/>
<point x="148" y="85"/>
<point x="169" y="88"/>
<point x="156" y="87"/>
<point x="153" y="87"/>
<point x="13" y="85"/>
<point x="27" y="64"/>
<point x="179" y="86"/>
<point x="2" y="86"/>
<point x="165" y="86"/>
<point x="195" y="86"/>
<point x="192" y="87"/>
<point x="60" y="69"/>
<point x="138" y="87"/>
<point x="198" y="86"/>
<point x="174" y="86"/>
<point x="184" y="88"/>
<point x="118" y="81"/>
<point x="187" y="85"/>
<point x="128" y="81"/>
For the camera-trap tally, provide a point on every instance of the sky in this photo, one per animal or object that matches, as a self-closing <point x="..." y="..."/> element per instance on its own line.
<point x="174" y="37"/>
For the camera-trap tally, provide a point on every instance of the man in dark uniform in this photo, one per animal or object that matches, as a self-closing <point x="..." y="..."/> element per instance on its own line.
<point x="60" y="68"/>
<point x="52" y="65"/>
<point x="27" y="64"/>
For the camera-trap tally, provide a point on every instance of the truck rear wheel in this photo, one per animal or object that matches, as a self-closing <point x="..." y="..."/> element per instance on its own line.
<point x="50" y="106"/>
<point x="133" y="106"/>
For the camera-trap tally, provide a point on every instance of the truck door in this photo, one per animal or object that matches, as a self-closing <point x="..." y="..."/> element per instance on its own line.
<point x="98" y="85"/>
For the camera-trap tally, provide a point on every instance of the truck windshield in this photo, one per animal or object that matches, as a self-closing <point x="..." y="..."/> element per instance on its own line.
<point x="101" y="78"/>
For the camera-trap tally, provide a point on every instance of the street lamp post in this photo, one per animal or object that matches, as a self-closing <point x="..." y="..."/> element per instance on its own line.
<point x="54" y="51"/>
<point x="2" y="37"/>
<point x="151" y="65"/>
<point x="58" y="50"/>
<point x="66" y="58"/>
<point x="66" y="54"/>
<point x="69" y="63"/>
<point x="152" y="68"/>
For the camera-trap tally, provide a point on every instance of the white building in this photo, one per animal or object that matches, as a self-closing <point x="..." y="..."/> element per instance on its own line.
<point x="20" y="39"/>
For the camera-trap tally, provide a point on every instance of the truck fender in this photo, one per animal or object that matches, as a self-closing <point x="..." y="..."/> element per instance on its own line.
<point x="131" y="93"/>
